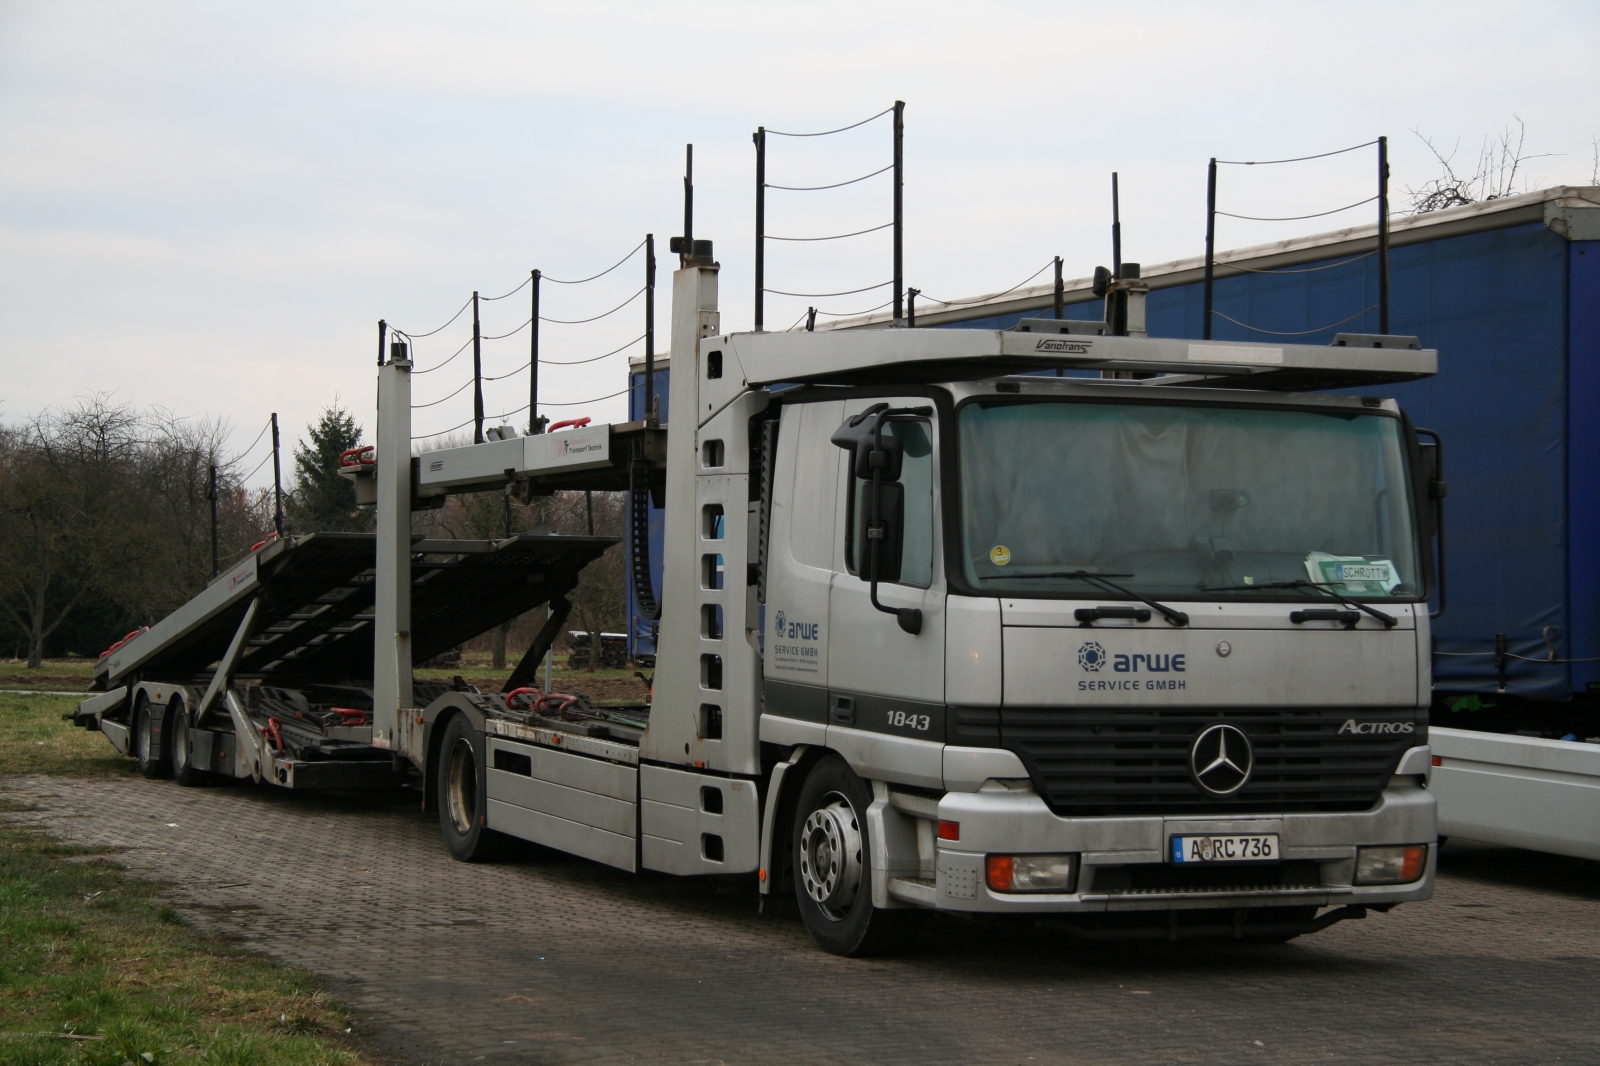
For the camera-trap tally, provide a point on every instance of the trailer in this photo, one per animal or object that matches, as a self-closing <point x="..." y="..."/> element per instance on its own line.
<point x="1510" y="289"/>
<point x="1143" y="655"/>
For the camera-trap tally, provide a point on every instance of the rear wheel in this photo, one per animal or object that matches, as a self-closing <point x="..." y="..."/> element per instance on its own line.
<point x="176" y="733"/>
<point x="463" y="805"/>
<point x="833" y="871"/>
<point x="147" y="738"/>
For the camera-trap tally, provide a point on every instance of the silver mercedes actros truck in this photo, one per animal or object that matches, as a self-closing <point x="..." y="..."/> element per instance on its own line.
<point x="1061" y="623"/>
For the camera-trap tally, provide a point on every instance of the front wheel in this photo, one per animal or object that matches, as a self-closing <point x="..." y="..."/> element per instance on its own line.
<point x="463" y="805"/>
<point x="833" y="870"/>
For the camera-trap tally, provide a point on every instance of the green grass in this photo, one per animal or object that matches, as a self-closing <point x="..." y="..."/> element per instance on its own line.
<point x="95" y="968"/>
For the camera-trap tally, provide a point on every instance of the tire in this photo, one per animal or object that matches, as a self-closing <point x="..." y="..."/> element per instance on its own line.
<point x="832" y="872"/>
<point x="462" y="798"/>
<point x="175" y="731"/>
<point x="147" y="738"/>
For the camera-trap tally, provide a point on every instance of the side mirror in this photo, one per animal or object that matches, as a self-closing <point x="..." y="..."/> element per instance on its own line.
<point x="888" y="534"/>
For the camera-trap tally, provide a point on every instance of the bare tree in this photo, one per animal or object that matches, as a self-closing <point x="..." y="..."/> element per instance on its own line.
<point x="1494" y="176"/>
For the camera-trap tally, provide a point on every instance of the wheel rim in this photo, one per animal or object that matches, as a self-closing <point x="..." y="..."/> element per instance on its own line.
<point x="180" y="738"/>
<point x="141" y="734"/>
<point x="830" y="856"/>
<point x="461" y="786"/>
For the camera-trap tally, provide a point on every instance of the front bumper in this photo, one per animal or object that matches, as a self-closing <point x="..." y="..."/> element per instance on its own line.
<point x="1006" y="822"/>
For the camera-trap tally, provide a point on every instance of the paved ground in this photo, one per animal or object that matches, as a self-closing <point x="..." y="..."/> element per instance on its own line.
<point x="552" y="959"/>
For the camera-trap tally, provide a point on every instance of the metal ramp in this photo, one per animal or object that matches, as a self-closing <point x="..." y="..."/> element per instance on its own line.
<point x="314" y="624"/>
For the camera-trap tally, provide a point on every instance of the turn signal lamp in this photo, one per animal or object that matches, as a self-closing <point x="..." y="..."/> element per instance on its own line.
<point x="1391" y="865"/>
<point x="1030" y="873"/>
<point x="949" y="830"/>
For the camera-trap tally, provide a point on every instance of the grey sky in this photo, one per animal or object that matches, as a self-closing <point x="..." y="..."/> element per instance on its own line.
<point x="208" y="206"/>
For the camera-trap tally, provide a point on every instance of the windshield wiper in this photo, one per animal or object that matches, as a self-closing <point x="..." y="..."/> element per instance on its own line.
<point x="1301" y="584"/>
<point x="1177" y="618"/>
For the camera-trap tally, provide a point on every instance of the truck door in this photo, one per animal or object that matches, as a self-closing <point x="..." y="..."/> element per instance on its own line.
<point x="884" y="682"/>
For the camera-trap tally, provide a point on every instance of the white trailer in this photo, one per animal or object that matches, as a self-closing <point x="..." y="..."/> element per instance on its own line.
<point x="1144" y="654"/>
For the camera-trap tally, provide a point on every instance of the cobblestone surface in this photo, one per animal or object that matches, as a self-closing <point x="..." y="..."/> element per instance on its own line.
<point x="546" y="958"/>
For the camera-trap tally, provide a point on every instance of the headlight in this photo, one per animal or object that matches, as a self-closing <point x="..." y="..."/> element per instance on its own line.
<point x="1031" y="873"/>
<point x="1391" y="866"/>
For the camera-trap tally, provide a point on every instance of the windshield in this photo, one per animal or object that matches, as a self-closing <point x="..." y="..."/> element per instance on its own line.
<point x="1178" y="500"/>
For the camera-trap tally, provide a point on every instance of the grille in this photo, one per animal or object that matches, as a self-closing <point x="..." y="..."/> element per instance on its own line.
<point x="1105" y="761"/>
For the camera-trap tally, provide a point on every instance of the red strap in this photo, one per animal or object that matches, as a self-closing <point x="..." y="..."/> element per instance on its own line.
<point x="576" y="423"/>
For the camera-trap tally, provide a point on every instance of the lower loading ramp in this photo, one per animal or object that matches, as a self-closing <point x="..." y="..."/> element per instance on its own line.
<point x="315" y="619"/>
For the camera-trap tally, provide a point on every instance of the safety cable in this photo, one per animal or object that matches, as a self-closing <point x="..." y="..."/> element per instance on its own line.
<point x="603" y="273"/>
<point x="835" y="237"/>
<point x="580" y="403"/>
<point x="513" y="333"/>
<point x="1296" y="159"/>
<point x="1298" y="332"/>
<point x="432" y="403"/>
<point x="470" y="421"/>
<point x="853" y="314"/>
<point x="991" y="296"/>
<point x="829" y="133"/>
<point x="1300" y="270"/>
<point x="513" y="292"/>
<point x="431" y="332"/>
<point x="591" y="359"/>
<point x="1297" y="218"/>
<point x="253" y="443"/>
<point x="446" y="363"/>
<point x="799" y="320"/>
<point x="259" y="465"/>
<point x="817" y="295"/>
<point x="835" y="185"/>
<point x="596" y="318"/>
<point x="1513" y="655"/>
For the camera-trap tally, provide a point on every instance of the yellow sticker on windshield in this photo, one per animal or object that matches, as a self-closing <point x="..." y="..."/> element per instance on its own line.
<point x="999" y="555"/>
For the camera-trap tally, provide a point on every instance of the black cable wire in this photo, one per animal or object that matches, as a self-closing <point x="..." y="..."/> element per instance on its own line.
<point x="829" y="133"/>
<point x="603" y="273"/>
<point x="799" y="320"/>
<point x="470" y="421"/>
<point x="432" y="403"/>
<point x="818" y="295"/>
<point x="1301" y="270"/>
<point x="991" y="296"/>
<point x="596" y="318"/>
<point x="253" y="443"/>
<point x="1299" y="332"/>
<point x="453" y="354"/>
<point x="853" y="314"/>
<point x="431" y="332"/>
<point x="513" y="292"/>
<point x="1296" y="159"/>
<point x="835" y="237"/>
<point x="592" y="359"/>
<point x="1298" y="218"/>
<point x="580" y="403"/>
<point x="513" y="333"/>
<point x="836" y="185"/>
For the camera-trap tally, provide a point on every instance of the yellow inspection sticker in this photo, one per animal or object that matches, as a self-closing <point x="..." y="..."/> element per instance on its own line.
<point x="999" y="555"/>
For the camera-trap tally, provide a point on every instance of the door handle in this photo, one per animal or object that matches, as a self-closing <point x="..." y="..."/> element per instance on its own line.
<point x="842" y="711"/>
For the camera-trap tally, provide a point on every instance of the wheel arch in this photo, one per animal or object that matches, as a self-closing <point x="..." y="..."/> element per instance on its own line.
<point x="436" y="719"/>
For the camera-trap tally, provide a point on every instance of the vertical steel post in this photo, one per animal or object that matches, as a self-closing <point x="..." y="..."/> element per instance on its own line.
<point x="277" y="480"/>
<point x="1383" y="235"/>
<point x="899" y="206"/>
<point x="211" y="497"/>
<point x="533" y="359"/>
<point x="1116" y="230"/>
<point x="650" y="328"/>
<point x="688" y="204"/>
<point x="392" y="693"/>
<point x="811" y="320"/>
<point x="761" y="227"/>
<point x="477" y="374"/>
<point x="1060" y="291"/>
<point x="383" y="335"/>
<point x="1211" y="245"/>
<point x="911" y="307"/>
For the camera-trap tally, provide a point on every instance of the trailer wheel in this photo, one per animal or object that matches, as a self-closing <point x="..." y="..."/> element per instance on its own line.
<point x="147" y="740"/>
<point x="175" y="730"/>
<point x="832" y="873"/>
<point x="463" y="803"/>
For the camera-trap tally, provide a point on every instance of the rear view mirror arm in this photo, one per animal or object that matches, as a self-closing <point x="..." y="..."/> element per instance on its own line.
<point x="909" y="618"/>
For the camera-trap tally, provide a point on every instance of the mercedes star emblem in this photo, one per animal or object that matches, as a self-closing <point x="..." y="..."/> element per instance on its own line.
<point x="1221" y="759"/>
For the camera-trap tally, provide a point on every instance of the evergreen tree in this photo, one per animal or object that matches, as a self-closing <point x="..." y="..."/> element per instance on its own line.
<point x="322" y="500"/>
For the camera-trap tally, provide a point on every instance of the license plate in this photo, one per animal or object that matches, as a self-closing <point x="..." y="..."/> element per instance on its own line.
<point x="1255" y="847"/>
